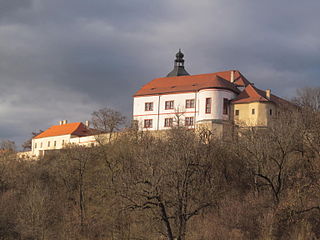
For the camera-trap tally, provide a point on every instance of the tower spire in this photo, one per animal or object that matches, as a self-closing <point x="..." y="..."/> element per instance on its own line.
<point x="178" y="69"/>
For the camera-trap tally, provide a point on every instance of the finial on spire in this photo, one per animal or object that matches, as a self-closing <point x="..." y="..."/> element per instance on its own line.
<point x="179" y="58"/>
<point x="178" y="66"/>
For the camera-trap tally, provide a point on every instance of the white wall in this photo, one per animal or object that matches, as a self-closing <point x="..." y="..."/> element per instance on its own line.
<point x="217" y="96"/>
<point x="68" y="139"/>
<point x="36" y="150"/>
<point x="159" y="112"/>
<point x="84" y="141"/>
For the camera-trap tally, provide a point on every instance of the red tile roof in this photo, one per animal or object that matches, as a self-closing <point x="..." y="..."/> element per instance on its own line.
<point x="253" y="94"/>
<point x="239" y="79"/>
<point x="78" y="129"/>
<point x="193" y="83"/>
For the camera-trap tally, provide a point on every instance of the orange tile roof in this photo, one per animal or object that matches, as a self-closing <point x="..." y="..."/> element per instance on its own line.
<point x="193" y="83"/>
<point x="78" y="129"/>
<point x="253" y="94"/>
<point x="239" y="79"/>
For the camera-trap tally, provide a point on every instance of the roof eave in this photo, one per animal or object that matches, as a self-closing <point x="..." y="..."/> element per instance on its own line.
<point x="254" y="101"/>
<point x="183" y="91"/>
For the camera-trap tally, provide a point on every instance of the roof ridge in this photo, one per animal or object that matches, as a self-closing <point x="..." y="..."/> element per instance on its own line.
<point x="201" y="74"/>
<point x="163" y="85"/>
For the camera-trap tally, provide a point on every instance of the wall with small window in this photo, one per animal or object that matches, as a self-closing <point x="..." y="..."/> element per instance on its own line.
<point x="213" y="104"/>
<point x="145" y="105"/>
<point x="253" y="114"/>
<point x="41" y="145"/>
<point x="167" y="106"/>
<point x="207" y="104"/>
<point x="184" y="105"/>
<point x="49" y="143"/>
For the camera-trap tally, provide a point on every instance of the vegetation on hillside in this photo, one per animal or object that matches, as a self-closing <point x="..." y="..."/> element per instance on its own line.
<point x="257" y="184"/>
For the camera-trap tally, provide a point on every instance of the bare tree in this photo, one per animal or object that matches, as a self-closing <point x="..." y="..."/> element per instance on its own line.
<point x="33" y="214"/>
<point x="107" y="120"/>
<point x="171" y="179"/>
<point x="178" y="116"/>
<point x="309" y="101"/>
<point x="8" y="146"/>
<point x="270" y="152"/>
<point x="76" y="161"/>
<point x="308" y="98"/>
<point x="27" y="145"/>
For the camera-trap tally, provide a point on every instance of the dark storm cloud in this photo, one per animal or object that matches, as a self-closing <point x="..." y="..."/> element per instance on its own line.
<point x="63" y="59"/>
<point x="8" y="8"/>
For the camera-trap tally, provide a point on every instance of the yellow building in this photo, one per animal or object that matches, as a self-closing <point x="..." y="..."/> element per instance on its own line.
<point x="255" y="108"/>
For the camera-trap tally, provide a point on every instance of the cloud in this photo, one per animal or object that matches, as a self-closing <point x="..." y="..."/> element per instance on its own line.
<point x="64" y="59"/>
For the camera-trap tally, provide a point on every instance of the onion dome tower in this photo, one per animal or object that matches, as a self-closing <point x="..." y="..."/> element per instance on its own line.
<point x="178" y="69"/>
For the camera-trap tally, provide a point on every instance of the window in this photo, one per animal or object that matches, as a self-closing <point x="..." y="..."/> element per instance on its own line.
<point x="55" y="143"/>
<point x="148" y="106"/>
<point x="190" y="103"/>
<point x="35" y="145"/>
<point x="225" y="106"/>
<point x="148" y="123"/>
<point x="48" y="143"/>
<point x="237" y="112"/>
<point x="168" y="122"/>
<point x="41" y="145"/>
<point x="189" y="121"/>
<point x="169" y="105"/>
<point x="253" y="111"/>
<point x="208" y="105"/>
<point x="270" y="112"/>
<point x="62" y="142"/>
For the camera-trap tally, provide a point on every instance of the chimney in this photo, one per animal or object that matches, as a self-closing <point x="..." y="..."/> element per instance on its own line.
<point x="232" y="76"/>
<point x="64" y="121"/>
<point x="268" y="93"/>
<point x="60" y="122"/>
<point x="87" y="123"/>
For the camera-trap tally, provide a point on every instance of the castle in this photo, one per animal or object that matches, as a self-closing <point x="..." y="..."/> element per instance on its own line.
<point x="215" y="101"/>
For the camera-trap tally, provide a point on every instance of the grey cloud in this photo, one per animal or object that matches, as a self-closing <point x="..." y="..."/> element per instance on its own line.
<point x="63" y="59"/>
<point x="8" y="7"/>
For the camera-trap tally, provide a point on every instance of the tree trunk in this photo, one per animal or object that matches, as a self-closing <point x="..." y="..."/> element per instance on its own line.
<point x="166" y="221"/>
<point x="81" y="204"/>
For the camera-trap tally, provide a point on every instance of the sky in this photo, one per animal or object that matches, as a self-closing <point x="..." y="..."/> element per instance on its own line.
<point x="65" y="59"/>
